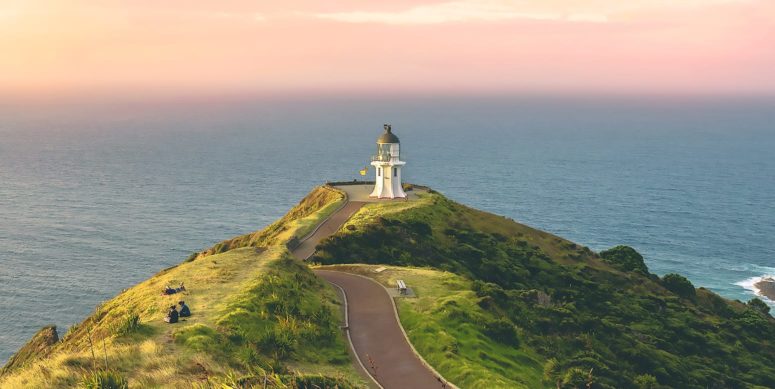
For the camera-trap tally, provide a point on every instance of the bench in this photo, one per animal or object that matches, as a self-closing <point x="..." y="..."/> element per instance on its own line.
<point x="401" y="286"/>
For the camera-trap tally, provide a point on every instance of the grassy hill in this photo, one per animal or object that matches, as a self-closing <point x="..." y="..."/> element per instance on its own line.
<point x="500" y="305"/>
<point x="256" y="312"/>
<point x="569" y="315"/>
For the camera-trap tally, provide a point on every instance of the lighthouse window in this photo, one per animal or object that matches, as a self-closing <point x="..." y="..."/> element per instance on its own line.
<point x="379" y="171"/>
<point x="395" y="172"/>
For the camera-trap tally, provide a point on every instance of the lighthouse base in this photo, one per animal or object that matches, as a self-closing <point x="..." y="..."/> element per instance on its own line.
<point x="387" y="183"/>
<point x="362" y="192"/>
<point x="387" y="192"/>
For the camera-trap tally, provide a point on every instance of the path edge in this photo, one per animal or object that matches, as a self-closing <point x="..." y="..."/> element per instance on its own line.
<point x="350" y="339"/>
<point x="345" y="201"/>
<point x="403" y="331"/>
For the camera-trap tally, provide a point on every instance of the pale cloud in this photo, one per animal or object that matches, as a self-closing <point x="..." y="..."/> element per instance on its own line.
<point x="456" y="11"/>
<point x="460" y="45"/>
<point x="247" y="16"/>
<point x="588" y="17"/>
<point x="590" y="11"/>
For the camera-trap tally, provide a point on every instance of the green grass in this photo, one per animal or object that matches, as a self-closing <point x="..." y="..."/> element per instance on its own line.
<point x="233" y="295"/>
<point x="446" y="326"/>
<point x="297" y="223"/>
<point x="504" y="305"/>
<point x="572" y="307"/>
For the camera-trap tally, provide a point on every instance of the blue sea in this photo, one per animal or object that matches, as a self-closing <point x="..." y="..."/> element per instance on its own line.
<point x="99" y="194"/>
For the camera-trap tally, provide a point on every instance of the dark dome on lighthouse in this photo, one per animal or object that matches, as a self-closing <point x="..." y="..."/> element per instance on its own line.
<point x="388" y="136"/>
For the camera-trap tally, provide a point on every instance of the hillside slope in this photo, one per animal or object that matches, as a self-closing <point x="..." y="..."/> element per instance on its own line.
<point x="499" y="304"/>
<point x="257" y="312"/>
<point x="592" y="319"/>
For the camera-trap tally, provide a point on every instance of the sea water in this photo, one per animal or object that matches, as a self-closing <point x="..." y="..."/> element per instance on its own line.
<point x="96" y="196"/>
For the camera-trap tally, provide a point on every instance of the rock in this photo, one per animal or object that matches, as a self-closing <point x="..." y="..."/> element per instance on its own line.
<point x="37" y="347"/>
<point x="766" y="287"/>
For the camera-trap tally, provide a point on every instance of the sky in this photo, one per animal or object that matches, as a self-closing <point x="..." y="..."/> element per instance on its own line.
<point x="397" y="46"/>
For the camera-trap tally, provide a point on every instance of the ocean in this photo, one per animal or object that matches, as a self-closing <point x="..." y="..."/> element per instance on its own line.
<point x="98" y="195"/>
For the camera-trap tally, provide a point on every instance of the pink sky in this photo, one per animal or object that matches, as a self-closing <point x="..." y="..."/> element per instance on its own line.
<point x="633" y="46"/>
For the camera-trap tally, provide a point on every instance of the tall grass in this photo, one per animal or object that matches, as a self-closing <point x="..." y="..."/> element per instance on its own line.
<point x="104" y="379"/>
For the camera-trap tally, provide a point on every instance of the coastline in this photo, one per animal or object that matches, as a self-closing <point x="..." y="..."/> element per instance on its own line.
<point x="766" y="287"/>
<point x="762" y="286"/>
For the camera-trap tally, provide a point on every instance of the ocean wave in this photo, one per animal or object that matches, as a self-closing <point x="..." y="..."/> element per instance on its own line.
<point x="750" y="285"/>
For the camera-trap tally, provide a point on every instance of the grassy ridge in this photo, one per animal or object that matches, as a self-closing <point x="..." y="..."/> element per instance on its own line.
<point x="602" y="321"/>
<point x="256" y="312"/>
<point x="301" y="219"/>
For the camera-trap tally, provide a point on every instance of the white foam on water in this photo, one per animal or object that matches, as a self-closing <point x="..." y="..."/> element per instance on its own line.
<point x="750" y="285"/>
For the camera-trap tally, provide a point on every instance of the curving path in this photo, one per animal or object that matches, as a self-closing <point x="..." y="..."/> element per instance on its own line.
<point x="376" y="334"/>
<point x="329" y="226"/>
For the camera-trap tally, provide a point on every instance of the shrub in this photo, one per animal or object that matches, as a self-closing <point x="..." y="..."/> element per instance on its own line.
<point x="551" y="370"/>
<point x="759" y="305"/>
<point x="679" y="285"/>
<point x="646" y="381"/>
<point x="625" y="258"/>
<point x="503" y="331"/>
<point x="576" y="378"/>
<point x="104" y="379"/>
<point x="752" y="321"/>
<point x="278" y="341"/>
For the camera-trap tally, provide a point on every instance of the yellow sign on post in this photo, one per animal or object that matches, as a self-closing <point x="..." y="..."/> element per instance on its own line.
<point x="364" y="171"/>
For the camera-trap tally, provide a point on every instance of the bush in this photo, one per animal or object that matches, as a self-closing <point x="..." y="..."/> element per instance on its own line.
<point x="646" y="381"/>
<point x="625" y="258"/>
<point x="278" y="341"/>
<point x="576" y="378"/>
<point x="759" y="305"/>
<point x="503" y="331"/>
<point x="104" y="379"/>
<point x="679" y="285"/>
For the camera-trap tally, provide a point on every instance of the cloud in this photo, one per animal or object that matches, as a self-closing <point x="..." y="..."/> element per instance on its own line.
<point x="255" y="16"/>
<point x="450" y="12"/>
<point x="460" y="11"/>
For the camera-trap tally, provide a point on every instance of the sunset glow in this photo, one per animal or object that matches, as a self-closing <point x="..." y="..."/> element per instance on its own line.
<point x="690" y="46"/>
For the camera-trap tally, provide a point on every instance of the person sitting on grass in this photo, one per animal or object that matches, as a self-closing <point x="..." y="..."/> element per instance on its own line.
<point x="170" y="290"/>
<point x="184" y="311"/>
<point x="172" y="315"/>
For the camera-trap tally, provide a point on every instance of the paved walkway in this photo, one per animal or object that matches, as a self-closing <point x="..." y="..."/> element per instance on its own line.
<point x="377" y="336"/>
<point x="374" y="329"/>
<point x="362" y="192"/>
<point x="328" y="228"/>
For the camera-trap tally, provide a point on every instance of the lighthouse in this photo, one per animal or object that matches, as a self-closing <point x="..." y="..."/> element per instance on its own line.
<point x="388" y="165"/>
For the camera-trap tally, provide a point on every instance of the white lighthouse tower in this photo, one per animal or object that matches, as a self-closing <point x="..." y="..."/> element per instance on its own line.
<point x="388" y="166"/>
